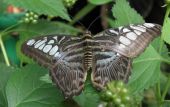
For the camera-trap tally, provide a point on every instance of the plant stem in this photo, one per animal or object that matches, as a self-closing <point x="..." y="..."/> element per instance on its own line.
<point x="84" y="11"/>
<point x="166" y="89"/>
<point x="165" y="19"/>
<point x="4" y="51"/>
<point x="165" y="60"/>
<point x="10" y="27"/>
<point x="159" y="98"/>
<point x="166" y="101"/>
<point x="158" y="94"/>
<point x="2" y="44"/>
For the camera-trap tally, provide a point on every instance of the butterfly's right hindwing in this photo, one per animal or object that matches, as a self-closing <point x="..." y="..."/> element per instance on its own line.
<point x="64" y="57"/>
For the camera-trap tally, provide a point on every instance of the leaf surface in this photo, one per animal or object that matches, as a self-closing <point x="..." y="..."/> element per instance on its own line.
<point x="47" y="7"/>
<point x="25" y="89"/>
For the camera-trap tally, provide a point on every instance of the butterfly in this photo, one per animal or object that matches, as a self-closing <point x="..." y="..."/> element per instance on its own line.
<point x="108" y="55"/>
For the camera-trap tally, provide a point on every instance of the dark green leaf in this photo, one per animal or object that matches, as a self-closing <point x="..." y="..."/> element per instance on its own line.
<point x="7" y="20"/>
<point x="124" y="14"/>
<point x="25" y="89"/>
<point x="99" y="2"/>
<point x="5" y="73"/>
<point x="47" y="7"/>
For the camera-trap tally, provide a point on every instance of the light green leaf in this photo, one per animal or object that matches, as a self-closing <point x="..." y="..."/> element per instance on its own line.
<point x="146" y="71"/>
<point x="5" y="73"/>
<point x="46" y="78"/>
<point x="99" y="2"/>
<point x="166" y="31"/>
<point x="47" y="7"/>
<point x="25" y="89"/>
<point x="124" y="14"/>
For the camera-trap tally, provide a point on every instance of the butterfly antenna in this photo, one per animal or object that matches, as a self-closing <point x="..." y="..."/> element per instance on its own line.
<point x="93" y="22"/>
<point x="78" y="22"/>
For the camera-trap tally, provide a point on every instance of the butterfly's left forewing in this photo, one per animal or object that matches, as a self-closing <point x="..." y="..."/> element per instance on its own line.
<point x="130" y="40"/>
<point x="64" y="56"/>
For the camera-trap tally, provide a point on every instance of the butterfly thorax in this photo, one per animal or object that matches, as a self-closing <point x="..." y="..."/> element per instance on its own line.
<point x="87" y="37"/>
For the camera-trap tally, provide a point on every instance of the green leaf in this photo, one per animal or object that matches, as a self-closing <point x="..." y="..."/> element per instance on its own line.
<point x="44" y="27"/>
<point x="89" y="97"/>
<point x="46" y="78"/>
<point x="99" y="2"/>
<point x="10" y="46"/>
<point x="146" y="71"/>
<point x="47" y="7"/>
<point x="7" y="20"/>
<point x="25" y="89"/>
<point x="124" y="14"/>
<point x="3" y="6"/>
<point x="166" y="31"/>
<point x="5" y="73"/>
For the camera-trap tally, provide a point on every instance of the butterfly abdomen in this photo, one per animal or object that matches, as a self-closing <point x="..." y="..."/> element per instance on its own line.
<point x="87" y="50"/>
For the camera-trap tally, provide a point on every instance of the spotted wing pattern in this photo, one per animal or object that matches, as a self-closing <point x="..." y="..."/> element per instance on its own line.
<point x="63" y="55"/>
<point x="130" y="40"/>
<point x="114" y="50"/>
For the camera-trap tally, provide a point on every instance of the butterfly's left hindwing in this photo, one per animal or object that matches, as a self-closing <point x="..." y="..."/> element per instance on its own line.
<point x="108" y="66"/>
<point x="64" y="57"/>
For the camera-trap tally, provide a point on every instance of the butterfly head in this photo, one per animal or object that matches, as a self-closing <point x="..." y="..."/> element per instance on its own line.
<point x="87" y="34"/>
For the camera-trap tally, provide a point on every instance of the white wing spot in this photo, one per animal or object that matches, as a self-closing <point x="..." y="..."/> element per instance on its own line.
<point x="117" y="54"/>
<point x="142" y="26"/>
<point x="124" y="40"/>
<point x="131" y="36"/>
<point x="41" y="47"/>
<point x="126" y="30"/>
<point x="122" y="46"/>
<point x="120" y="28"/>
<point x="39" y="43"/>
<point x="31" y="42"/>
<point x="53" y="50"/>
<point x="51" y="42"/>
<point x="113" y="31"/>
<point x="57" y="54"/>
<point x="55" y="37"/>
<point x="138" y="28"/>
<point x="137" y="32"/>
<point x="47" y="48"/>
<point x="149" y="25"/>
